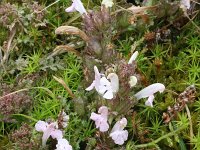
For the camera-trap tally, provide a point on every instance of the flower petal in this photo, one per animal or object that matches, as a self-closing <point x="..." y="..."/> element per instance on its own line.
<point x="103" y="110"/>
<point x="56" y="134"/>
<point x="133" y="57"/>
<point x="114" y="81"/>
<point x="119" y="125"/>
<point x="45" y="137"/>
<point x="41" y="126"/>
<point x="149" y="102"/>
<point x="107" y="3"/>
<point x="185" y="3"/>
<point x="132" y="81"/>
<point x="119" y="137"/>
<point x="78" y="5"/>
<point x="63" y="144"/>
<point x="150" y="90"/>
<point x="102" y="89"/>
<point x="104" y="126"/>
<point x="71" y="8"/>
<point x="91" y="86"/>
<point x="104" y="81"/>
<point x="108" y="94"/>
<point x="101" y="119"/>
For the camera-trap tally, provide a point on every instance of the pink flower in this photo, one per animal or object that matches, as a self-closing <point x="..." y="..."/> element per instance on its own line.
<point x="48" y="130"/>
<point x="63" y="144"/>
<point x="104" y="87"/>
<point x="101" y="119"/>
<point x="118" y="134"/>
<point x="77" y="5"/>
<point x="149" y="92"/>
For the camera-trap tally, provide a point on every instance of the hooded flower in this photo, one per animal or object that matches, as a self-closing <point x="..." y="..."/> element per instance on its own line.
<point x="149" y="92"/>
<point x="118" y="134"/>
<point x="104" y="87"/>
<point x="63" y="144"/>
<point x="101" y="119"/>
<point x="107" y="3"/>
<point x="108" y="89"/>
<point x="133" y="57"/>
<point x="77" y="5"/>
<point x="48" y="130"/>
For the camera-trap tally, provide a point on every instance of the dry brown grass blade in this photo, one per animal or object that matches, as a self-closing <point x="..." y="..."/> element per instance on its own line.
<point x="62" y="82"/>
<point x="72" y="30"/>
<point x="140" y="10"/>
<point x="64" y="48"/>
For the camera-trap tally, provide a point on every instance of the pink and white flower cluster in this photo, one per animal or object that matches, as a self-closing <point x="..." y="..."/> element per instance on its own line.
<point x="118" y="134"/>
<point x="108" y="89"/>
<point x="51" y="129"/>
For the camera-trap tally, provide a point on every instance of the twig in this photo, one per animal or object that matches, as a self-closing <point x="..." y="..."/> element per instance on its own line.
<point x="170" y="91"/>
<point x="153" y="143"/>
<point x="6" y="54"/>
<point x="26" y="89"/>
<point x="25" y="116"/>
<point x="64" y="48"/>
<point x="21" y="90"/>
<point x="65" y="86"/>
<point x="195" y="2"/>
<point x="191" y="20"/>
<point x="190" y="121"/>
<point x="46" y="7"/>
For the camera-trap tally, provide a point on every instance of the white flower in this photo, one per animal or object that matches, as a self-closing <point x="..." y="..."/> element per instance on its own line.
<point x="133" y="57"/>
<point x="107" y="3"/>
<point x="108" y="89"/>
<point x="185" y="4"/>
<point x="48" y="130"/>
<point x="118" y="134"/>
<point x="96" y="82"/>
<point x="101" y="119"/>
<point x="149" y="91"/>
<point x="104" y="87"/>
<point x="63" y="144"/>
<point x="77" y="5"/>
<point x="132" y="81"/>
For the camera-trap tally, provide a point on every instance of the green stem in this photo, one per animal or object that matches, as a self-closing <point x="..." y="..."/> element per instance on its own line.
<point x="25" y="116"/>
<point x="26" y="89"/>
<point x="47" y="6"/>
<point x="190" y="121"/>
<point x="153" y="143"/>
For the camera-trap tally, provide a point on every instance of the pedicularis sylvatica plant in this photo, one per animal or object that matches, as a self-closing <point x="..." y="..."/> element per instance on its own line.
<point x="112" y="84"/>
<point x="109" y="79"/>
